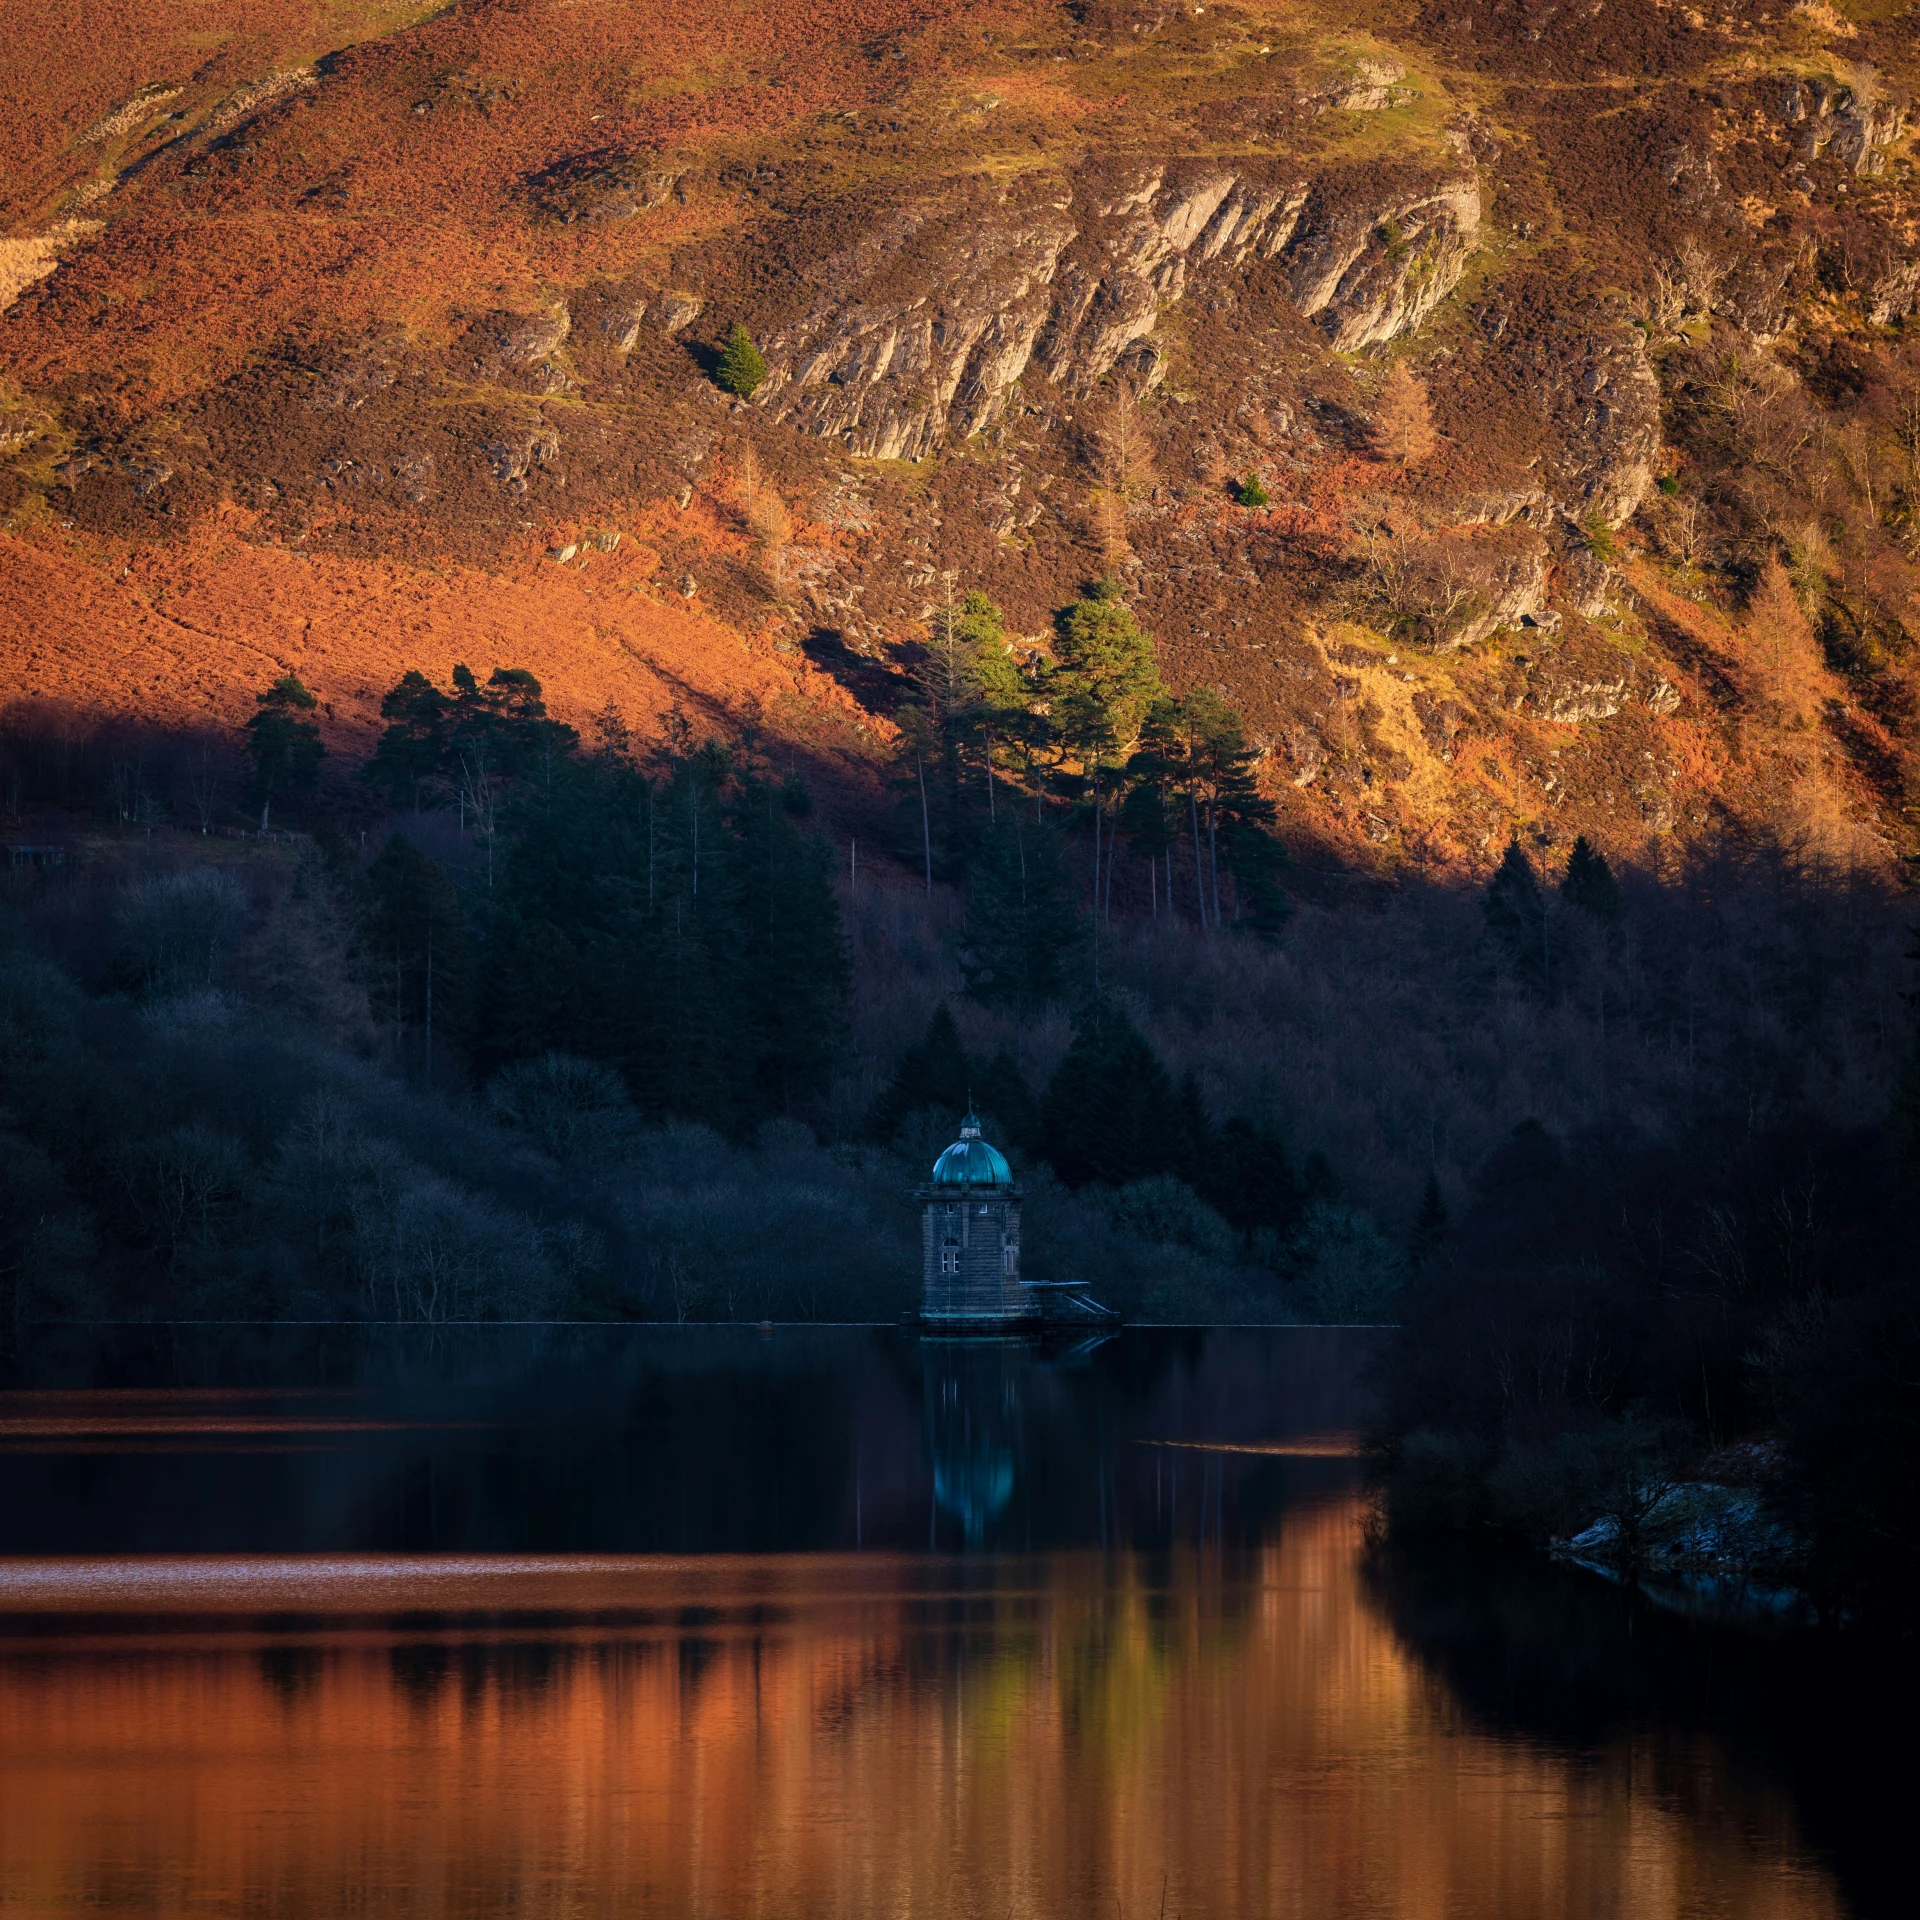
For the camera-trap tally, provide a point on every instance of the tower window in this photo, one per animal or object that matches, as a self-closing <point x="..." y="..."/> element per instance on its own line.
<point x="949" y="1259"/>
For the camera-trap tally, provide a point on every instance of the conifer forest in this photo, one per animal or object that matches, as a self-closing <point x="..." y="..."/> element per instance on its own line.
<point x="501" y="1022"/>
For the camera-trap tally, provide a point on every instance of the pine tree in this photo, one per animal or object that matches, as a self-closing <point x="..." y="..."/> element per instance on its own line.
<point x="1249" y="1179"/>
<point x="1516" y="914"/>
<point x="1589" y="883"/>
<point x="794" y="976"/>
<point x="285" y="745"/>
<point x="1104" y="672"/>
<point x="413" y="748"/>
<point x="537" y="994"/>
<point x="1146" y="815"/>
<point x="1001" y="693"/>
<point x="924" y="779"/>
<point x="1168" y="762"/>
<point x="1196" y="747"/>
<point x="506" y="725"/>
<point x="1402" y="425"/>
<point x="1430" y="1225"/>
<point x="1196" y="1145"/>
<point x="1002" y="1098"/>
<point x="1904" y="1116"/>
<point x="677" y="923"/>
<point x="1253" y="494"/>
<point x="1259" y="871"/>
<point x="969" y="693"/>
<point x="1110" y="1114"/>
<point x="740" y="368"/>
<point x="414" y="948"/>
<point x="1024" y="933"/>
<point x="1238" y="816"/>
<point x="934" y="1072"/>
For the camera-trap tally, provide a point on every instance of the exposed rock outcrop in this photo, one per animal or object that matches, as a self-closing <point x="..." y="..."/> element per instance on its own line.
<point x="1573" y="398"/>
<point x="1577" y="681"/>
<point x="136" y="113"/>
<point x="1610" y="418"/>
<point x="244" y="102"/>
<point x="1840" y="121"/>
<point x="927" y="325"/>
<point x="513" y="459"/>
<point x="893" y="374"/>
<point x="602" y="186"/>
<point x="1370" y="85"/>
<point x="1369" y="267"/>
<point x="621" y="324"/>
<point x="1895" y="295"/>
<point x="1584" y="582"/>
<point x="676" y="311"/>
<point x="521" y="339"/>
<point x="1511" y="583"/>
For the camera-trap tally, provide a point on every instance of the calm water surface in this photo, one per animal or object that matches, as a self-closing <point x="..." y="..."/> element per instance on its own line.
<point x="819" y="1623"/>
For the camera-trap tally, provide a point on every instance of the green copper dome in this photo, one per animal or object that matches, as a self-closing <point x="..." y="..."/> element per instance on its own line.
<point x="970" y="1162"/>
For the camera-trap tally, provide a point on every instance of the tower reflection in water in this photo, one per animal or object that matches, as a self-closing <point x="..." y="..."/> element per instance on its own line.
<point x="975" y="1406"/>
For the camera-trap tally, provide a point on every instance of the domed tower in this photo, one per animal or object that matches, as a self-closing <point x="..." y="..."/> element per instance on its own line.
<point x="970" y="1234"/>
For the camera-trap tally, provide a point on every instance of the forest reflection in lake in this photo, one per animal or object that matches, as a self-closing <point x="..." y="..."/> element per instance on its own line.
<point x="1245" y="1710"/>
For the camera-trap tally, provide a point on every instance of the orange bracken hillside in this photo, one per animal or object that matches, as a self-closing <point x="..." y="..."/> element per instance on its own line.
<point x="362" y="335"/>
<point x="193" y="632"/>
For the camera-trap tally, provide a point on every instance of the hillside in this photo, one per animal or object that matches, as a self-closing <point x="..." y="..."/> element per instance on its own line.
<point x="349" y="337"/>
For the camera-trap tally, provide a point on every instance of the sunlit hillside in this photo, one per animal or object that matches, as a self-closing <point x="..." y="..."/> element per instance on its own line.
<point x="1513" y="410"/>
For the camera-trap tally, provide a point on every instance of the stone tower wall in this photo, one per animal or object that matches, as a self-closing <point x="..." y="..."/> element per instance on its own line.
<point x="970" y="1254"/>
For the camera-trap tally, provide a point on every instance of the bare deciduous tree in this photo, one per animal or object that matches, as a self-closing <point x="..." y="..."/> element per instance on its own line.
<point x="206" y="780"/>
<point x="479" y="794"/>
<point x="1420" y="586"/>
<point x="1679" y="530"/>
<point x="1699" y="274"/>
<point x="762" y="511"/>
<point x="1402" y="426"/>
<point x="1121" y="457"/>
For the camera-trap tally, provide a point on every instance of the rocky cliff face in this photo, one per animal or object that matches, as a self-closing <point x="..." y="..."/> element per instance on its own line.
<point x="445" y="304"/>
<point x="925" y="330"/>
<point x="1842" y="121"/>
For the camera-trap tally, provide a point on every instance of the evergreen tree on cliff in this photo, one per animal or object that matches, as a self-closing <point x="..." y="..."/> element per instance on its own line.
<point x="740" y="368"/>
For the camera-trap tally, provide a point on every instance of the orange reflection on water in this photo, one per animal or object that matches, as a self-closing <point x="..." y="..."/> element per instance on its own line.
<point x="828" y="1736"/>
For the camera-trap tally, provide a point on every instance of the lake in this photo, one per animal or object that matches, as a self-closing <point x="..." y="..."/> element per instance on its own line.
<point x="823" y="1622"/>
